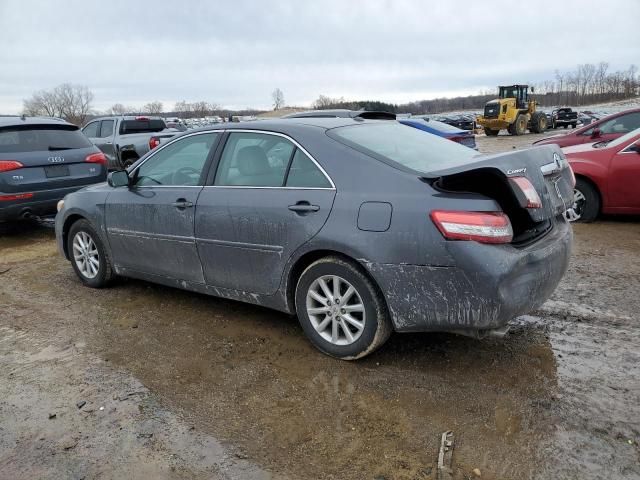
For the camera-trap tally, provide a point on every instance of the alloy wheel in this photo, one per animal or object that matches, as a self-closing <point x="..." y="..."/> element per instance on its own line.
<point x="574" y="213"/>
<point x="335" y="310"/>
<point x="85" y="254"/>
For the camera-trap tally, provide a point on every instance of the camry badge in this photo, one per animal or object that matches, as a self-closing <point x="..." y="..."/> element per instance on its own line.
<point x="516" y="171"/>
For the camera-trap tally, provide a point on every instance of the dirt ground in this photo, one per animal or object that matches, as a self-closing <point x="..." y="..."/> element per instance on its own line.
<point x="180" y="385"/>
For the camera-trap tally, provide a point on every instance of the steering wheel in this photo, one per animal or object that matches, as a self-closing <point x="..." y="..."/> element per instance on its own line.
<point x="185" y="173"/>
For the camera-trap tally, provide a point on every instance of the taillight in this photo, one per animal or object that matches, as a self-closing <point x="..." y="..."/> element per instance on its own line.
<point x="529" y="191"/>
<point x="15" y="196"/>
<point x="153" y="142"/>
<point x="483" y="227"/>
<point x="96" y="158"/>
<point x="8" y="165"/>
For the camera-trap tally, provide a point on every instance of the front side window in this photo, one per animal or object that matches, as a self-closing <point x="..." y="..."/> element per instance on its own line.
<point x="106" y="130"/>
<point x="180" y="163"/>
<point x="91" y="130"/>
<point x="402" y="147"/>
<point x="254" y="160"/>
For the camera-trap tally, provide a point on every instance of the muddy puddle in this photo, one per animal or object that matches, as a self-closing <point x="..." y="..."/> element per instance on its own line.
<point x="559" y="398"/>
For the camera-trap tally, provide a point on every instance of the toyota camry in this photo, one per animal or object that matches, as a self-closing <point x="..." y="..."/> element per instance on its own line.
<point x="359" y="227"/>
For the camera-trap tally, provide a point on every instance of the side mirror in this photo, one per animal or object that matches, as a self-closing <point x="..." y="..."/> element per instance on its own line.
<point x="596" y="133"/>
<point x="118" y="179"/>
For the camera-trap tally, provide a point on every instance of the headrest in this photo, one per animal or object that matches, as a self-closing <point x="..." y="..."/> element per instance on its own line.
<point x="253" y="161"/>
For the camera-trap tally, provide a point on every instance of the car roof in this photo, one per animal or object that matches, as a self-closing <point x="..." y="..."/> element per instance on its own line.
<point x="12" y="121"/>
<point x="285" y="124"/>
<point x="344" y="113"/>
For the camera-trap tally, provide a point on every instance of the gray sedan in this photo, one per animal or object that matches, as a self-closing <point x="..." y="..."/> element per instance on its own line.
<point x="359" y="227"/>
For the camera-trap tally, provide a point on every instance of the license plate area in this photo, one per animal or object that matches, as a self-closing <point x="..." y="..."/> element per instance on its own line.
<point x="55" y="171"/>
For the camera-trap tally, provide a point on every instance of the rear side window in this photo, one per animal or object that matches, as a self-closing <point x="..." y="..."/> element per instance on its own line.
<point x="41" y="138"/>
<point x="142" y="126"/>
<point x="402" y="147"/>
<point x="303" y="173"/>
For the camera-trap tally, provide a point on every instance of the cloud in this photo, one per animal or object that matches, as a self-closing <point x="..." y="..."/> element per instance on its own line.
<point x="236" y="53"/>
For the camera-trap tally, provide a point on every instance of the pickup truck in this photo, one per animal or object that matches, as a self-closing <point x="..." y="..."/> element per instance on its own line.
<point x="563" y="117"/>
<point x="124" y="139"/>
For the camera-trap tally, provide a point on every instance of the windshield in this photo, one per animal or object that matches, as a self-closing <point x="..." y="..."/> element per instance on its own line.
<point x="395" y="144"/>
<point x="624" y="138"/>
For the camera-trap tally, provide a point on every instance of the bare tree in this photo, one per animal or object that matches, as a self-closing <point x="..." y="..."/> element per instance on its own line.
<point x="323" y="102"/>
<point x="278" y="99"/>
<point x="201" y="109"/>
<point x="119" y="109"/>
<point x="153" y="108"/>
<point x="71" y="102"/>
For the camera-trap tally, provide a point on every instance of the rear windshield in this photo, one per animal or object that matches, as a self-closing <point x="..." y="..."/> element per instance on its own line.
<point x="403" y="147"/>
<point x="41" y="138"/>
<point x="142" y="126"/>
<point x="443" y="127"/>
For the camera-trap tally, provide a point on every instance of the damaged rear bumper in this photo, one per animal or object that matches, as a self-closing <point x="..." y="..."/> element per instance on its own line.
<point x="489" y="286"/>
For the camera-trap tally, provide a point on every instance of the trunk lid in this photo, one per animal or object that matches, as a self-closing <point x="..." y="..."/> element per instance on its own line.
<point x="545" y="167"/>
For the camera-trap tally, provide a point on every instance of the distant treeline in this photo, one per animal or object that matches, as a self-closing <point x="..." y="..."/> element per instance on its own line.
<point x="587" y="84"/>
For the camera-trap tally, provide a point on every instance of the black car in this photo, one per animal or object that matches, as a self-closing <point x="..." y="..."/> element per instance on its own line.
<point x="41" y="160"/>
<point x="463" y="122"/>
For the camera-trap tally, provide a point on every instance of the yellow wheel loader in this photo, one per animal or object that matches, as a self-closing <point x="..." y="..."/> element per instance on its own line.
<point x="513" y="111"/>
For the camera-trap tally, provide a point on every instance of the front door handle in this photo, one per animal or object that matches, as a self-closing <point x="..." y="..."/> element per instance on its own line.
<point x="182" y="203"/>
<point x="303" y="207"/>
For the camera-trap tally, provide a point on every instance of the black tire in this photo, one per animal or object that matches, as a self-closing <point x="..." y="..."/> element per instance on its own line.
<point x="491" y="133"/>
<point x="377" y="324"/>
<point x="566" y="125"/>
<point x="573" y="125"/>
<point x="538" y="122"/>
<point x="104" y="272"/>
<point x="519" y="127"/>
<point x="589" y="209"/>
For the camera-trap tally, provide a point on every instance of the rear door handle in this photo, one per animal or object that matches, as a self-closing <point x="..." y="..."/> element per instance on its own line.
<point x="181" y="204"/>
<point x="303" y="207"/>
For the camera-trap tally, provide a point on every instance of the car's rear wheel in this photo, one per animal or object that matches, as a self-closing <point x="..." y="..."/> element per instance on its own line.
<point x="340" y="309"/>
<point x="89" y="257"/>
<point x="586" y="203"/>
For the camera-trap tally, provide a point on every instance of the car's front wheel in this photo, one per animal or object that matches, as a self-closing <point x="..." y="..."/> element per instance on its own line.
<point x="340" y="309"/>
<point x="586" y="203"/>
<point x="89" y="257"/>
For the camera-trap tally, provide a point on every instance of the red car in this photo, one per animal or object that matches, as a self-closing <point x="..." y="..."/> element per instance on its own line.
<point x="605" y="129"/>
<point x="607" y="177"/>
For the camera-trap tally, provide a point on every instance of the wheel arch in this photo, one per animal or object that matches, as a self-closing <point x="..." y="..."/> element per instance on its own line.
<point x="596" y="188"/>
<point x="306" y="259"/>
<point x="66" y="226"/>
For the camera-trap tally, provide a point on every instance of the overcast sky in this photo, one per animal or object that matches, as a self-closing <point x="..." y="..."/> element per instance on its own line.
<point x="235" y="53"/>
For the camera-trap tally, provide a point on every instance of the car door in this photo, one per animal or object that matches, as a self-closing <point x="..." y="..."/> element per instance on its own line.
<point x="267" y="199"/>
<point x="104" y="141"/>
<point x="624" y="179"/>
<point x="150" y="224"/>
